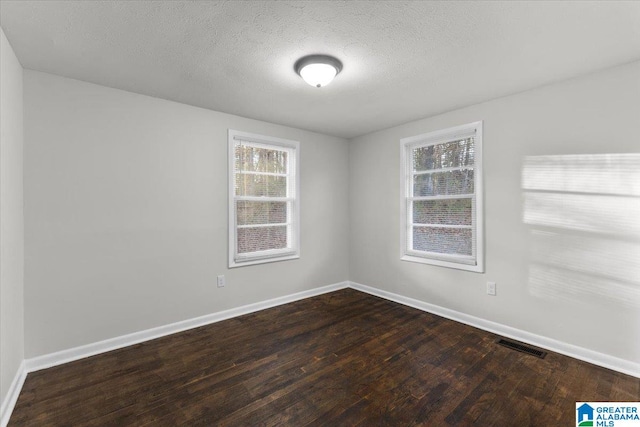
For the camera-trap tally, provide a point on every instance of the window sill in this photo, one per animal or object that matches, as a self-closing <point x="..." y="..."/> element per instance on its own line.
<point x="448" y="264"/>
<point x="234" y="264"/>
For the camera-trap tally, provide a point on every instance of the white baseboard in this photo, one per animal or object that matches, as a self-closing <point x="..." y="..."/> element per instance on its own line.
<point x="11" y="398"/>
<point x="610" y="362"/>
<point x="76" y="353"/>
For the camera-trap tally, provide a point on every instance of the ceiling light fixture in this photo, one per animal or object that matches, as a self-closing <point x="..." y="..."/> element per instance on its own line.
<point x="318" y="70"/>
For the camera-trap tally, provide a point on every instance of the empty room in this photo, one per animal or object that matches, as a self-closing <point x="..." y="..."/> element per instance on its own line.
<point x="323" y="213"/>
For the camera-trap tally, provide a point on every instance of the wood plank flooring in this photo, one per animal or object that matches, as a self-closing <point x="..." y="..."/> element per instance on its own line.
<point x="339" y="359"/>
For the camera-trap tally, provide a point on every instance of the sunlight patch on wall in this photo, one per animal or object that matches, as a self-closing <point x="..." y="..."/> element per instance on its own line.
<point x="584" y="173"/>
<point x="592" y="212"/>
<point x="584" y="213"/>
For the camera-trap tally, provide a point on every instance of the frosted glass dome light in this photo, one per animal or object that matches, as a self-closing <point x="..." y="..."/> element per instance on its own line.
<point x="318" y="75"/>
<point x="318" y="70"/>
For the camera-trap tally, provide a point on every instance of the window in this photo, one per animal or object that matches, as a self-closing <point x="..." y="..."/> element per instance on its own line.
<point x="442" y="198"/>
<point x="264" y="202"/>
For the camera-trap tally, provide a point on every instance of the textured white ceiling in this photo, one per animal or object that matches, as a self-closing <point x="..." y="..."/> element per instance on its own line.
<point x="402" y="60"/>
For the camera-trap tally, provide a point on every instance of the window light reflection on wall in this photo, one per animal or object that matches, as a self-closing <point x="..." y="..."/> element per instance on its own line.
<point x="583" y="212"/>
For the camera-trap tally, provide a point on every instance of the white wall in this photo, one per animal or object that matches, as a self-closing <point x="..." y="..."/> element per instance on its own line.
<point x="11" y="218"/>
<point x="126" y="214"/>
<point x="553" y="252"/>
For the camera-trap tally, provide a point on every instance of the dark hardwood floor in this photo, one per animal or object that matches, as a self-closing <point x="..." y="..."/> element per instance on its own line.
<point x="340" y="359"/>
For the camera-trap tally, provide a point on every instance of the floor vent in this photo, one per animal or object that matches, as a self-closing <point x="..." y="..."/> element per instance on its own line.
<point x="522" y="348"/>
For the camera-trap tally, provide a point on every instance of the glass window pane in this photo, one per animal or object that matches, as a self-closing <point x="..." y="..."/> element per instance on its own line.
<point x="255" y="159"/>
<point x="451" y="241"/>
<point x="446" y="155"/>
<point x="443" y="212"/>
<point x="261" y="239"/>
<point x="261" y="185"/>
<point x="443" y="183"/>
<point x="249" y="213"/>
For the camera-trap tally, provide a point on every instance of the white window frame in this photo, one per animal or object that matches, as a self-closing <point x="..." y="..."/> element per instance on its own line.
<point x="293" y="196"/>
<point x="475" y="262"/>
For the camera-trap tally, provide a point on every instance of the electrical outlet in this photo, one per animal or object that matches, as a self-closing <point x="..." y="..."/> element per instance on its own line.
<point x="221" y="281"/>
<point x="491" y="288"/>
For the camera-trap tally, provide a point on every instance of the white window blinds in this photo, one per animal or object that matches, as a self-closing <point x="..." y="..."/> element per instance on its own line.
<point x="442" y="197"/>
<point x="263" y="199"/>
